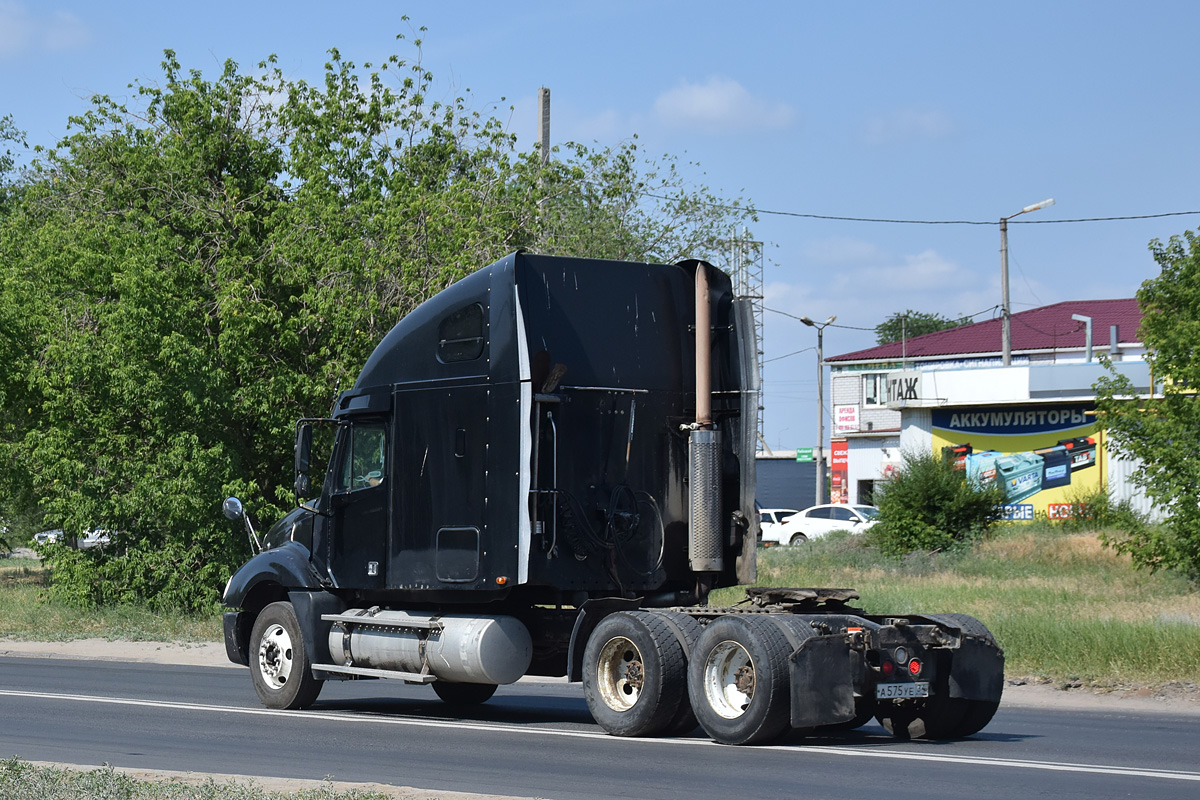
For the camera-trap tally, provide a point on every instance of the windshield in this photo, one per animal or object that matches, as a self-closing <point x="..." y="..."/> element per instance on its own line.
<point x="870" y="512"/>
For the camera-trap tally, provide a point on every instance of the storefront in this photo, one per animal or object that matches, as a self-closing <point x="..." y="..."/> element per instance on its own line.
<point x="1043" y="458"/>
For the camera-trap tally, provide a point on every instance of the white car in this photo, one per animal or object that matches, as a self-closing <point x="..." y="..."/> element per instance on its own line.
<point x="48" y="537"/>
<point x="815" y="522"/>
<point x="94" y="538"/>
<point x="770" y="520"/>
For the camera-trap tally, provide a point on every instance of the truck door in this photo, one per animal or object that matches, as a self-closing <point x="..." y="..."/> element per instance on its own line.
<point x="359" y="502"/>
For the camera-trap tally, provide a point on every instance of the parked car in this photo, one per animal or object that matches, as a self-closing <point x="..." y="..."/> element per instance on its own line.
<point x="815" y="522"/>
<point x="94" y="538"/>
<point x="770" y="520"/>
<point x="49" y="537"/>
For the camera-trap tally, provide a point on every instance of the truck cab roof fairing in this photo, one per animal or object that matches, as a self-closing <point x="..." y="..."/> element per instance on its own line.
<point x="412" y="350"/>
<point x="610" y="323"/>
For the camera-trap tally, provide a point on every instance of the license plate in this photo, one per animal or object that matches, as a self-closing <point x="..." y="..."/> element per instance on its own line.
<point x="895" y="691"/>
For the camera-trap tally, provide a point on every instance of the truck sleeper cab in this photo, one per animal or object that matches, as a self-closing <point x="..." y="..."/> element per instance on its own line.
<point x="544" y="470"/>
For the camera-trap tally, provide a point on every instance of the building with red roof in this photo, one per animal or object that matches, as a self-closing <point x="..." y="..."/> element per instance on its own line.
<point x="1029" y="426"/>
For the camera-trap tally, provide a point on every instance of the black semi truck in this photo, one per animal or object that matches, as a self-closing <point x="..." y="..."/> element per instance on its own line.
<point x="544" y="470"/>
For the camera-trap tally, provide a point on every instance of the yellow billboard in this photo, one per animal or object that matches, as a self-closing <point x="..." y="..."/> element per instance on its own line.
<point x="1044" y="458"/>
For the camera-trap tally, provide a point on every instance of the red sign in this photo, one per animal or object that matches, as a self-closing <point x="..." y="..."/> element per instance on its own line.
<point x="839" y="462"/>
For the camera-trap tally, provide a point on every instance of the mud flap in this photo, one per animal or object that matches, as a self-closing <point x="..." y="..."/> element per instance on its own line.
<point x="822" y="682"/>
<point x="309" y="607"/>
<point x="237" y="626"/>
<point x="976" y="670"/>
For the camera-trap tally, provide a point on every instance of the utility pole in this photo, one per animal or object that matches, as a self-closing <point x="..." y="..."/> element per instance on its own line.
<point x="820" y="326"/>
<point x="544" y="124"/>
<point x="1005" y="308"/>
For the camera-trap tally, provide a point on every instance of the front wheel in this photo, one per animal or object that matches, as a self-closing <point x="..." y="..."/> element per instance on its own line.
<point x="279" y="665"/>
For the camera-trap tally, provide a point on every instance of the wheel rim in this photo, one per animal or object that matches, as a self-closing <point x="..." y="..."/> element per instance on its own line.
<point x="620" y="673"/>
<point x="729" y="679"/>
<point x="275" y="656"/>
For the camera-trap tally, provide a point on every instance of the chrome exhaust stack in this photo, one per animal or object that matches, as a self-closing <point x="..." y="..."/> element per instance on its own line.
<point x="705" y="553"/>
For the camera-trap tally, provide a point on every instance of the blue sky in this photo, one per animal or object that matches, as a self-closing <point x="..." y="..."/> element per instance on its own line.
<point x="930" y="111"/>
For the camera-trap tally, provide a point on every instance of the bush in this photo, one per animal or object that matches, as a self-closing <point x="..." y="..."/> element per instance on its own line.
<point x="1093" y="510"/>
<point x="930" y="505"/>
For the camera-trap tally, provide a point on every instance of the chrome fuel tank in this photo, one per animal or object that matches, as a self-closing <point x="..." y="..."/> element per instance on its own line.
<point x="453" y="647"/>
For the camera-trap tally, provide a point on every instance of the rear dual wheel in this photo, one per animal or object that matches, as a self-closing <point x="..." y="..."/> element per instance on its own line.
<point x="464" y="694"/>
<point x="942" y="717"/>
<point x="635" y="669"/>
<point x="739" y="680"/>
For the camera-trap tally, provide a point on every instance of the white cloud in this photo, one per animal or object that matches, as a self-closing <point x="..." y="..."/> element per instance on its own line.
<point x="64" y="31"/>
<point x="907" y="125"/>
<point x="721" y="105"/>
<point x="864" y="283"/>
<point x="23" y="31"/>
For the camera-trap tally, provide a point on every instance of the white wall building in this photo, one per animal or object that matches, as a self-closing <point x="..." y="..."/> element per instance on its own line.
<point x="948" y="390"/>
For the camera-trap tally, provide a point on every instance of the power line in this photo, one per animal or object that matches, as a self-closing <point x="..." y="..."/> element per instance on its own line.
<point x="794" y="353"/>
<point x="889" y="221"/>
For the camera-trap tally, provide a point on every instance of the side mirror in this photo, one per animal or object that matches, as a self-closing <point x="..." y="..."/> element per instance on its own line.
<point x="303" y="485"/>
<point x="303" y="448"/>
<point x="232" y="508"/>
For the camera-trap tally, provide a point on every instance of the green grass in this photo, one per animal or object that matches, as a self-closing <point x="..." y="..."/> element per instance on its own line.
<point x="26" y="612"/>
<point x="1063" y="607"/>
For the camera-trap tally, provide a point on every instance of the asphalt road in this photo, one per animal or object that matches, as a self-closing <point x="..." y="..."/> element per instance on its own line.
<point x="537" y="740"/>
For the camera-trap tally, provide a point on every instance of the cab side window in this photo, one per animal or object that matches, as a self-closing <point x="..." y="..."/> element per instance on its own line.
<point x="460" y="335"/>
<point x="363" y="461"/>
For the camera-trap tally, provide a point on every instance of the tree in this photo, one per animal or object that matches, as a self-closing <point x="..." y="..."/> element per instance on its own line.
<point x="8" y="161"/>
<point x="931" y="505"/>
<point x="1161" y="432"/>
<point x="908" y="324"/>
<point x="181" y="280"/>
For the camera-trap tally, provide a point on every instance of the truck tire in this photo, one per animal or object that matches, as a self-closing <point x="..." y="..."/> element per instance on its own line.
<point x="634" y="674"/>
<point x="685" y="717"/>
<point x="942" y="717"/>
<point x="464" y="694"/>
<point x="738" y="680"/>
<point x="278" y="662"/>
<point x="977" y="713"/>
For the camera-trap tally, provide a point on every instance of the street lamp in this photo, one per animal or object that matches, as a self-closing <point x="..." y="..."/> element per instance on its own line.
<point x="1006" y="311"/>
<point x="820" y="326"/>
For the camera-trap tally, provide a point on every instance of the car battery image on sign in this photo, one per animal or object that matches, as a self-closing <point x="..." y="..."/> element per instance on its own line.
<point x="1056" y="466"/>
<point x="981" y="467"/>
<point x="1082" y="450"/>
<point x="1020" y="475"/>
<point x="957" y="453"/>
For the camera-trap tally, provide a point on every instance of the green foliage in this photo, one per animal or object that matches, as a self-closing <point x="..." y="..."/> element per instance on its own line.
<point x="1161" y="432"/>
<point x="1096" y="510"/>
<point x="601" y="204"/>
<point x="909" y="323"/>
<point x="8" y="160"/>
<point x="929" y="505"/>
<point x="181" y="279"/>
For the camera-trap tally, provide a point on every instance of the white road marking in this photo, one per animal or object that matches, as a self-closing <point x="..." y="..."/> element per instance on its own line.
<point x="853" y="752"/>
